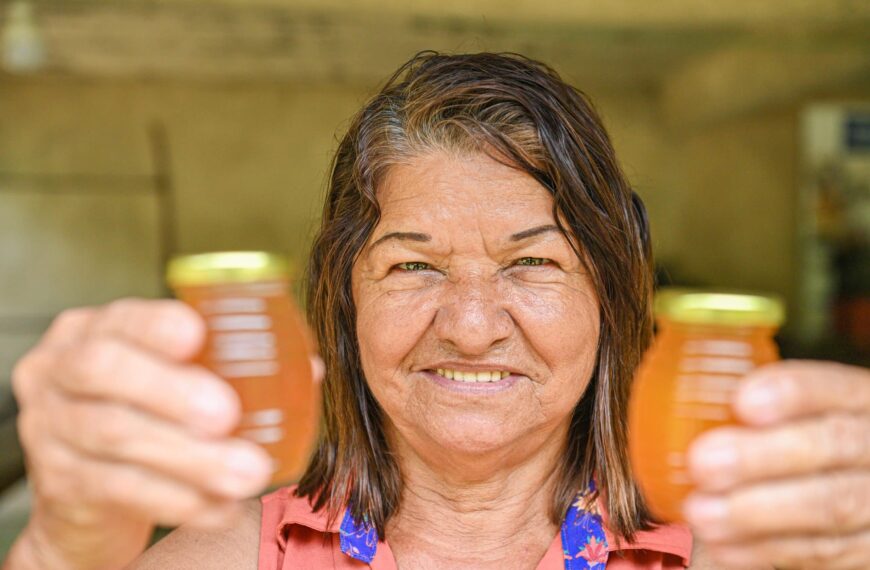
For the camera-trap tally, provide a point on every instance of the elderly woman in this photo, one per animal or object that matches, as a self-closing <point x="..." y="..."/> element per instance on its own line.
<point x="480" y="291"/>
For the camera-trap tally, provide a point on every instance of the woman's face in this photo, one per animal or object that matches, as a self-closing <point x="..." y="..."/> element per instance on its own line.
<point x="477" y="323"/>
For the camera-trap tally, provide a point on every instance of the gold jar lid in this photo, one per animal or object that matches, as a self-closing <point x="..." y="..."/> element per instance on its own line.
<point x="226" y="267"/>
<point x="719" y="308"/>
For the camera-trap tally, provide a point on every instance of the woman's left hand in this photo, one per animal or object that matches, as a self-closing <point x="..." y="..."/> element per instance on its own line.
<point x="790" y="488"/>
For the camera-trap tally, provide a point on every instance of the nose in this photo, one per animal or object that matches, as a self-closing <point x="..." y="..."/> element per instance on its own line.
<point x="473" y="316"/>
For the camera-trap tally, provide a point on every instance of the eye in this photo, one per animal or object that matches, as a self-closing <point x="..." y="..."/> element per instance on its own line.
<point x="531" y="261"/>
<point x="413" y="266"/>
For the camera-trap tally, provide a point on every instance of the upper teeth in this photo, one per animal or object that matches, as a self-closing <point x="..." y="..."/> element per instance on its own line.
<point x="473" y="376"/>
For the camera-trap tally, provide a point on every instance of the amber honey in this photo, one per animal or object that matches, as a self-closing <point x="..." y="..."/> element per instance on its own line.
<point x="256" y="342"/>
<point x="706" y="343"/>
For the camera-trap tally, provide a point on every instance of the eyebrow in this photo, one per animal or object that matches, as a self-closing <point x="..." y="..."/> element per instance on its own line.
<point x="532" y="232"/>
<point x="422" y="238"/>
<point x="402" y="236"/>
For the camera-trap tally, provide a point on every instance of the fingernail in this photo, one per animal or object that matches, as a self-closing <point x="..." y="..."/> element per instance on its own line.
<point x="247" y="464"/>
<point x="210" y="404"/>
<point x="318" y="369"/>
<point x="247" y="471"/>
<point x="761" y="400"/>
<point x="186" y="329"/>
<point x="716" y="457"/>
<point x="708" y="515"/>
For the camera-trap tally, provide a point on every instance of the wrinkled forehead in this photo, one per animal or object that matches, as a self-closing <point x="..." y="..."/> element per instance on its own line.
<point x="464" y="204"/>
<point x="438" y="187"/>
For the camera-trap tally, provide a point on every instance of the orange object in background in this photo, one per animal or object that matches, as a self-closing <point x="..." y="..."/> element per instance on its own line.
<point x="257" y="342"/>
<point x="706" y="343"/>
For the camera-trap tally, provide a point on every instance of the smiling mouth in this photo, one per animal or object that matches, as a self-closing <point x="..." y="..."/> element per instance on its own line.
<point x="469" y="377"/>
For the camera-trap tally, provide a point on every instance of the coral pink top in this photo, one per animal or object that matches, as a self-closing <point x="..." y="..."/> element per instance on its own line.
<point x="293" y="536"/>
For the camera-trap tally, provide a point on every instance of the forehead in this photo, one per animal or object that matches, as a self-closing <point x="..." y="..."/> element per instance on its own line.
<point x="436" y="186"/>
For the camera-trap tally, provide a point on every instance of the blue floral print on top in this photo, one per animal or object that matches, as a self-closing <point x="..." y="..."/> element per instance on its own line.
<point x="583" y="542"/>
<point x="358" y="541"/>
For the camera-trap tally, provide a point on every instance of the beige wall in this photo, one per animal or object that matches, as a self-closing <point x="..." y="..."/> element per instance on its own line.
<point x="247" y="161"/>
<point x="249" y="164"/>
<point x="721" y="198"/>
<point x="735" y="186"/>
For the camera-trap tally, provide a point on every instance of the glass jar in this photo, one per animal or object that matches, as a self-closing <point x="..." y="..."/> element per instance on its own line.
<point x="706" y="342"/>
<point x="257" y="341"/>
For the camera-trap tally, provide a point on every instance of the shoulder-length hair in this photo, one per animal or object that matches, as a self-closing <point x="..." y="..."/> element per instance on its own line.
<point x="522" y="113"/>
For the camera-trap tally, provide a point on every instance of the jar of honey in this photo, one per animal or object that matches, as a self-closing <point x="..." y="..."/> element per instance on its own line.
<point x="705" y="343"/>
<point x="257" y="341"/>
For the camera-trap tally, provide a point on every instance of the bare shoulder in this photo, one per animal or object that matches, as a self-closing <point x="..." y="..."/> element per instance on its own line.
<point x="186" y="548"/>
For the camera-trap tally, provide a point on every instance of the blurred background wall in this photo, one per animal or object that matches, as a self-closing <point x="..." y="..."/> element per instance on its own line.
<point x="131" y="130"/>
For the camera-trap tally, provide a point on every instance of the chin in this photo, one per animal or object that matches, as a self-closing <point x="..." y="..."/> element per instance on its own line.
<point x="473" y="434"/>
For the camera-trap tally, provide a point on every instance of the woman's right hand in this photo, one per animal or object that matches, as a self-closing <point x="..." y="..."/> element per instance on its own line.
<point x="121" y="432"/>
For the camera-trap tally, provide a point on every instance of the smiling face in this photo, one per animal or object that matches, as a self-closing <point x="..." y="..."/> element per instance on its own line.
<point x="477" y="324"/>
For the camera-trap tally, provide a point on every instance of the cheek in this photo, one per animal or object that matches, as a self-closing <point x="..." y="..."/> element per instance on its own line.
<point x="389" y="325"/>
<point x="563" y="328"/>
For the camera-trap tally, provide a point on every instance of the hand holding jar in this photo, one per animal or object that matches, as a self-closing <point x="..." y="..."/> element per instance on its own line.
<point x="780" y="475"/>
<point x="124" y="428"/>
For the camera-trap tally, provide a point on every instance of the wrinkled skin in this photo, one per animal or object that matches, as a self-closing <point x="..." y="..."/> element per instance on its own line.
<point x="472" y="301"/>
<point x="474" y="294"/>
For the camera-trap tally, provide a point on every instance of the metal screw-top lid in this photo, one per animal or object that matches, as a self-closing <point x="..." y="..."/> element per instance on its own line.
<point x="720" y="308"/>
<point x="226" y="267"/>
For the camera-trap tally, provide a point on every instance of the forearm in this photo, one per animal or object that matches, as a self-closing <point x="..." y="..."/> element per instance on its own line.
<point x="23" y="556"/>
<point x="38" y="548"/>
<point x="30" y="552"/>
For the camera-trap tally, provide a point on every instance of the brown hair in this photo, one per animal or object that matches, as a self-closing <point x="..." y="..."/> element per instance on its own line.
<point x="520" y="112"/>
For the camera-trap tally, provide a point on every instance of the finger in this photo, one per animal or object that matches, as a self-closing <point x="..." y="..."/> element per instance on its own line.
<point x="849" y="552"/>
<point x="723" y="458"/>
<point x="28" y="374"/>
<point x="829" y="504"/>
<point x="792" y="389"/>
<point x="66" y="328"/>
<point x="73" y="479"/>
<point x="166" y="327"/>
<point x="69" y="326"/>
<point x="113" y="370"/>
<point x="232" y="468"/>
<point x="318" y="369"/>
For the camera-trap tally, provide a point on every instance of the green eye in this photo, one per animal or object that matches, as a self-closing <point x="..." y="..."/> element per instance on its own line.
<point x="531" y="261"/>
<point x="413" y="266"/>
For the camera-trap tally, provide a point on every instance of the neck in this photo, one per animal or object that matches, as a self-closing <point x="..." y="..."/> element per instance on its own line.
<point x="478" y="510"/>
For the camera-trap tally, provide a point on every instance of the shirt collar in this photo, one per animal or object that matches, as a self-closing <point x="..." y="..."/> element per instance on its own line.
<point x="584" y="543"/>
<point x="358" y="540"/>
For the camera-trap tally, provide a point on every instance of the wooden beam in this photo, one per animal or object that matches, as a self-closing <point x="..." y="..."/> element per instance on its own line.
<point x="621" y="13"/>
<point x="616" y="42"/>
<point x="223" y="41"/>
